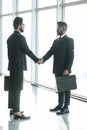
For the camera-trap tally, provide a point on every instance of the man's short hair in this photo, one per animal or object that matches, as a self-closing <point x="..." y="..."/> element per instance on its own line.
<point x="61" y="23"/>
<point x="17" y="21"/>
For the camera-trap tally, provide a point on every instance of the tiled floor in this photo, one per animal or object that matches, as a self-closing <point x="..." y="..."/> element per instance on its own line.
<point x="36" y="102"/>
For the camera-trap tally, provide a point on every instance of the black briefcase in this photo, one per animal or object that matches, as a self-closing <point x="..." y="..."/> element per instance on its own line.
<point x="66" y="83"/>
<point x="6" y="83"/>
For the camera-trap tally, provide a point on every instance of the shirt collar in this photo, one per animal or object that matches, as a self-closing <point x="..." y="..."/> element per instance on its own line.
<point x="62" y="35"/>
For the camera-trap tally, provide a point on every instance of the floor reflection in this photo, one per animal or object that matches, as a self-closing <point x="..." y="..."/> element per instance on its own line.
<point x="66" y="121"/>
<point x="36" y="102"/>
<point x="13" y="125"/>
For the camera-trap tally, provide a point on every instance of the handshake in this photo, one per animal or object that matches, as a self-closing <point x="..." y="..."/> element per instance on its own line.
<point x="40" y="61"/>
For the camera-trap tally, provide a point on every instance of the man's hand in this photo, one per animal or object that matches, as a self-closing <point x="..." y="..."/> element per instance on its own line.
<point x="65" y="72"/>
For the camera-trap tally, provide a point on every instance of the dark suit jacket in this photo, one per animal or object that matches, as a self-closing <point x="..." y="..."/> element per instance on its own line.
<point x="17" y="51"/>
<point x="63" y="53"/>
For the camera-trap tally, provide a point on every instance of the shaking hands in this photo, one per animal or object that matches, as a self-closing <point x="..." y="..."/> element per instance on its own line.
<point x="40" y="61"/>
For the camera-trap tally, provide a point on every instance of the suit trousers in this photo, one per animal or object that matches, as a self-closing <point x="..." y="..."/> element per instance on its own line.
<point x="64" y="97"/>
<point x="14" y="100"/>
<point x="16" y="85"/>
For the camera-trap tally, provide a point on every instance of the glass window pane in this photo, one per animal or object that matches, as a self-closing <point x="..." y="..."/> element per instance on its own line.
<point x="24" y="5"/>
<point x="7" y="27"/>
<point x="43" y="3"/>
<point x="47" y="33"/>
<point x="67" y="1"/>
<point x="27" y="33"/>
<point x="77" y="29"/>
<point x="6" y="7"/>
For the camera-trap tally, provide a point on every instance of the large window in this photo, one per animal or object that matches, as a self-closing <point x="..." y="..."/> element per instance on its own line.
<point x="47" y="33"/>
<point x="44" y="3"/>
<point x="24" y="5"/>
<point x="7" y="30"/>
<point x="71" y="0"/>
<point x="76" y="18"/>
<point x="6" y="6"/>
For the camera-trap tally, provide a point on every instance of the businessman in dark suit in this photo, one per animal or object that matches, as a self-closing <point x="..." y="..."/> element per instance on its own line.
<point x="17" y="51"/>
<point x="63" y="53"/>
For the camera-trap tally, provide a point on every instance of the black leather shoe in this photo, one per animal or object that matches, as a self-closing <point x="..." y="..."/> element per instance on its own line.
<point x="63" y="111"/>
<point x="11" y="112"/>
<point x="58" y="107"/>
<point x="22" y="117"/>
